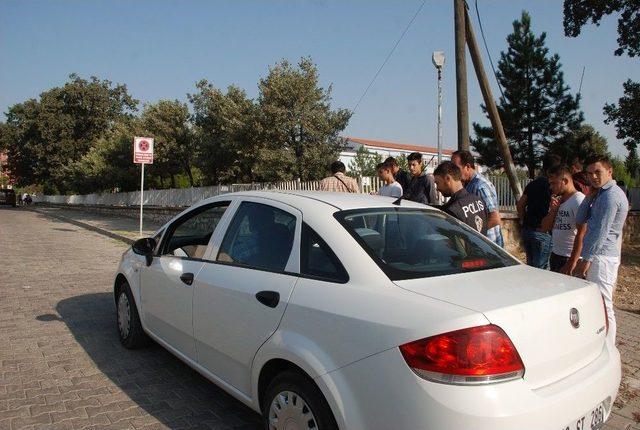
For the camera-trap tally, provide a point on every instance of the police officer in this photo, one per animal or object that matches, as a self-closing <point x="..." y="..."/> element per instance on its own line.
<point x="468" y="208"/>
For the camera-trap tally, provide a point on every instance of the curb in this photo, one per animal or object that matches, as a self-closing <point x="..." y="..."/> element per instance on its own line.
<point x="86" y="226"/>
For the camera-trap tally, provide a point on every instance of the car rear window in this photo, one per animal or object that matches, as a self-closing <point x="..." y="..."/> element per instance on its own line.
<point x="418" y="243"/>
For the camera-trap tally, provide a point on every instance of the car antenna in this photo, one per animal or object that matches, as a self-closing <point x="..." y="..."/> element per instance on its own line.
<point x="397" y="201"/>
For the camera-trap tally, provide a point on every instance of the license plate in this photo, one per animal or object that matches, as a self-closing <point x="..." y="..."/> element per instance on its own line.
<point x="592" y="420"/>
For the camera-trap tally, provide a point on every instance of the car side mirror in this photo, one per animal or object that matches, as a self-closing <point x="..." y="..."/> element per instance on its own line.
<point x="145" y="247"/>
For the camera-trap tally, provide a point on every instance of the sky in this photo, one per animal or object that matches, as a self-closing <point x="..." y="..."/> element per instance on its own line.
<point x="161" y="48"/>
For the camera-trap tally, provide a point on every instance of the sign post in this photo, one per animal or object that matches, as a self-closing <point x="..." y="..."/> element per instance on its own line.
<point x="142" y="154"/>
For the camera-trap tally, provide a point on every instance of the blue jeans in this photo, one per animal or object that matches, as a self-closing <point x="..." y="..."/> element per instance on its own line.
<point x="537" y="245"/>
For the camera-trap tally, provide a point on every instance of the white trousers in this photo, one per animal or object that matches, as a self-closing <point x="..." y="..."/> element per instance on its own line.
<point x="604" y="273"/>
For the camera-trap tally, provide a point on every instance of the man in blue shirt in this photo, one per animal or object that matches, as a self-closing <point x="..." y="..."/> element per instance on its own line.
<point x="605" y="213"/>
<point x="480" y="186"/>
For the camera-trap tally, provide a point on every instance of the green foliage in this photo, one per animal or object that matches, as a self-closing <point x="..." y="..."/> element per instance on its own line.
<point x="364" y="163"/>
<point x="626" y="117"/>
<point x="620" y="173"/>
<point x="581" y="143"/>
<point x="578" y="13"/>
<point x="78" y="138"/>
<point x="108" y="164"/>
<point x="536" y="109"/>
<point x="168" y="123"/>
<point x="297" y="129"/>
<point x="225" y="134"/>
<point x="47" y="134"/>
<point x="402" y="162"/>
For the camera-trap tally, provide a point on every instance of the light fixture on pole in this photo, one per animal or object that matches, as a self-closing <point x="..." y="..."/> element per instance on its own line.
<point x="438" y="61"/>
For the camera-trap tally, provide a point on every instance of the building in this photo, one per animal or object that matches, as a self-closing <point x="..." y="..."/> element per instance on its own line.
<point x="393" y="149"/>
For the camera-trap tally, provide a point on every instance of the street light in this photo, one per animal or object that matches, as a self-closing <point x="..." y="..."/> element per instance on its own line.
<point x="438" y="61"/>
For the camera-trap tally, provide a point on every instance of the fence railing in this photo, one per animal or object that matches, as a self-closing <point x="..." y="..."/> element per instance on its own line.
<point x="189" y="196"/>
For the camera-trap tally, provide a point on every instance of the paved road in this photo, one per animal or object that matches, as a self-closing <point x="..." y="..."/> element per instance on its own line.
<point x="61" y="365"/>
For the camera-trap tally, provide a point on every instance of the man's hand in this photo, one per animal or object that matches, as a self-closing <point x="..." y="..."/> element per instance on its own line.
<point x="582" y="268"/>
<point x="568" y="268"/>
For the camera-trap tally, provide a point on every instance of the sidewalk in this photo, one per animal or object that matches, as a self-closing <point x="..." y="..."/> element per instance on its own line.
<point x="626" y="410"/>
<point x="120" y="228"/>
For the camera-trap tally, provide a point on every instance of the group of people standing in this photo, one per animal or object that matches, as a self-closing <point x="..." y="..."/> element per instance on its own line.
<point x="472" y="197"/>
<point x="571" y="216"/>
<point x="572" y="221"/>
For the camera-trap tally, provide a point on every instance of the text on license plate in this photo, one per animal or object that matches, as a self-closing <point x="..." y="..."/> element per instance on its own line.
<point x="590" y="421"/>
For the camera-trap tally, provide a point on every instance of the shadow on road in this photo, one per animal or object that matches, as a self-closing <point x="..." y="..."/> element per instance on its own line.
<point x="162" y="385"/>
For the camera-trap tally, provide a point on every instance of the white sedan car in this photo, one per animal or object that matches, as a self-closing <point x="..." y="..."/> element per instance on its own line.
<point x="338" y="311"/>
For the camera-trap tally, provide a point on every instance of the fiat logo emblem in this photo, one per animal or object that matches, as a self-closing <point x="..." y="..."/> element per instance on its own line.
<point x="574" y="317"/>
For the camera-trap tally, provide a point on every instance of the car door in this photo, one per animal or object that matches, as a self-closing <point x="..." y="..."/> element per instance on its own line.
<point x="241" y="297"/>
<point x="167" y="284"/>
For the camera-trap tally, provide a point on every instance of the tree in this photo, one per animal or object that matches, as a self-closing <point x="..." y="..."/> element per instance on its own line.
<point x="60" y="128"/>
<point x="225" y="132"/>
<point x="577" y="13"/>
<point x="536" y="108"/>
<point x="108" y="164"/>
<point x="167" y="121"/>
<point x="620" y="173"/>
<point x="626" y="118"/>
<point x="20" y="137"/>
<point x="298" y="128"/>
<point x="581" y="143"/>
<point x="364" y="163"/>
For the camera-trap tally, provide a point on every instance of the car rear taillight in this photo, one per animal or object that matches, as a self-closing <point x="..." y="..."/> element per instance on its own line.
<point x="606" y="314"/>
<point x="476" y="355"/>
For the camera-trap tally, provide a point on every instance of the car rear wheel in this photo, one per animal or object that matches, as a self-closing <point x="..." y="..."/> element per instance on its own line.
<point x="130" y="330"/>
<point x="293" y="402"/>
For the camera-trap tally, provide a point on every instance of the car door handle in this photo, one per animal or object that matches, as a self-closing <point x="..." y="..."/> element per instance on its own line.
<point x="187" y="278"/>
<point x="268" y="298"/>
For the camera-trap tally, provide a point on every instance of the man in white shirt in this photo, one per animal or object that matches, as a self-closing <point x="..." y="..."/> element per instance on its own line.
<point x="561" y="219"/>
<point x="391" y="187"/>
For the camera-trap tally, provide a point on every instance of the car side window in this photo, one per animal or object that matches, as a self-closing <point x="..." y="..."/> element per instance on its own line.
<point x="189" y="236"/>
<point x="259" y="236"/>
<point x="317" y="260"/>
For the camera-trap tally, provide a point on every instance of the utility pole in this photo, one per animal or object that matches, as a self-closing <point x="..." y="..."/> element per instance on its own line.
<point x="460" y="17"/>
<point x="492" y="110"/>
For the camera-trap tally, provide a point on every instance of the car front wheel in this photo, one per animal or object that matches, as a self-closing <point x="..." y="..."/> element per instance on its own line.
<point x="293" y="401"/>
<point x="130" y="330"/>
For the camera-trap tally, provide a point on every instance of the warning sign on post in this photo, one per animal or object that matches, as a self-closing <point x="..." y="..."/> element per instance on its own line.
<point x="143" y="150"/>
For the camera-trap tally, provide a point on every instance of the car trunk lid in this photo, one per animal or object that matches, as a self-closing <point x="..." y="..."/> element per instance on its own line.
<point x="534" y="308"/>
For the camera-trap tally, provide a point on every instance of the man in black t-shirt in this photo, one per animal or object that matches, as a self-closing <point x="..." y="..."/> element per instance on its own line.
<point x="401" y="176"/>
<point x="532" y="207"/>
<point x="421" y="187"/>
<point x="468" y="208"/>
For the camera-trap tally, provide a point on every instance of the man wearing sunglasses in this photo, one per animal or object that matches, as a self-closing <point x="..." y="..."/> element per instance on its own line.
<point x="606" y="211"/>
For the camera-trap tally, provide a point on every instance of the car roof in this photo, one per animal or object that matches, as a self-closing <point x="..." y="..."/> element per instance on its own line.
<point x="341" y="201"/>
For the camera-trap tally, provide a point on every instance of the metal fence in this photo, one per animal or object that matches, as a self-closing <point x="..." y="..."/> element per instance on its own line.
<point x="188" y="196"/>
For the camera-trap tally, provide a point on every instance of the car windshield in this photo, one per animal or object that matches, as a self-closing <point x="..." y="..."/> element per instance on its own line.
<point x="418" y="243"/>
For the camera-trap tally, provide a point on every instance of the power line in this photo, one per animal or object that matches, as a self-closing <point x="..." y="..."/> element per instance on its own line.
<point x="581" y="78"/>
<point x="388" y="56"/>
<point x="486" y="47"/>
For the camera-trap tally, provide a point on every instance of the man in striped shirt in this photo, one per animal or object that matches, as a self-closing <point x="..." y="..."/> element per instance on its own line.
<point x="477" y="184"/>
